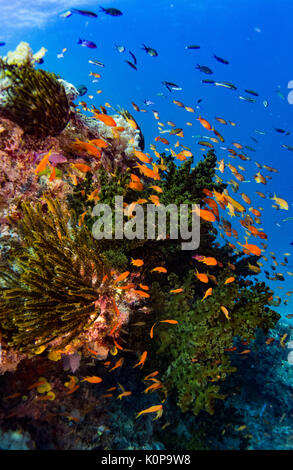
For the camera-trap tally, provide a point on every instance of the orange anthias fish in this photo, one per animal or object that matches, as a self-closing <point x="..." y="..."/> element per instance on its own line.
<point x="43" y="163"/>
<point x="162" y="139"/>
<point x="152" y="374"/>
<point x="142" y="156"/>
<point x="142" y="359"/>
<point x="159" y="269"/>
<point x="142" y="286"/>
<point x="204" y="214"/>
<point x="124" y="394"/>
<point x="82" y="167"/>
<point x="53" y="174"/>
<point x="225" y="312"/>
<point x="208" y="292"/>
<point x="108" y="120"/>
<point x="176" y="291"/>
<point x="152" y="330"/>
<point x="155" y="199"/>
<point x="148" y="172"/>
<point x="122" y="277"/>
<point x="202" y="277"/>
<point x="229" y="280"/>
<point x="136" y="185"/>
<point x="255" y="250"/>
<point x="209" y="261"/>
<point x="137" y="262"/>
<point x="157" y="188"/>
<point x="205" y="123"/>
<point x="134" y="178"/>
<point x="153" y="387"/>
<point x="93" y="380"/>
<point x="141" y="293"/>
<point x="99" y="143"/>
<point x="153" y="409"/>
<point x="172" y="322"/>
<point x="118" y="364"/>
<point x="90" y="148"/>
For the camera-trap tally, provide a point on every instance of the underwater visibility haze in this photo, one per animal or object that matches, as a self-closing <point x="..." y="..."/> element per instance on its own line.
<point x="116" y="334"/>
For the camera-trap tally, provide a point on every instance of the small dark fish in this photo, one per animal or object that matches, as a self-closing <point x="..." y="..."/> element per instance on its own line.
<point x="250" y="148"/>
<point x="2" y="44"/>
<point x="204" y="69"/>
<point x="251" y="92"/>
<point x="254" y="140"/>
<point x="259" y="132"/>
<point x="171" y="86"/>
<point x="131" y="64"/>
<point x="193" y="46"/>
<point x="208" y="81"/>
<point x="133" y="56"/>
<point x="245" y="98"/>
<point x="86" y="43"/>
<point x="287" y="147"/>
<point x="111" y="11"/>
<point x="176" y="131"/>
<point x="120" y="48"/>
<point x="40" y="61"/>
<point x="82" y="90"/>
<point x="281" y="131"/>
<point x="219" y="59"/>
<point x="226" y="85"/>
<point x="95" y="62"/>
<point x="88" y="13"/>
<point x="150" y="51"/>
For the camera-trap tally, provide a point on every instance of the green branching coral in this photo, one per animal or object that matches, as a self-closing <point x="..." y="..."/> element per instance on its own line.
<point x="185" y="184"/>
<point x="34" y="99"/>
<point x="50" y="288"/>
<point x="193" y="353"/>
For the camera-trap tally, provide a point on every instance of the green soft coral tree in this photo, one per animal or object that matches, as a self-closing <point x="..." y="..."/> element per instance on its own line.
<point x="193" y="356"/>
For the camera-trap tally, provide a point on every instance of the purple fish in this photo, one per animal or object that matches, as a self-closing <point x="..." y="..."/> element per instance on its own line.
<point x="198" y="257"/>
<point x="86" y="43"/>
<point x="56" y="158"/>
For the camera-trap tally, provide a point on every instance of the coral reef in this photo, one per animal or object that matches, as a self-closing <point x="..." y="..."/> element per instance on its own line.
<point x="105" y="309"/>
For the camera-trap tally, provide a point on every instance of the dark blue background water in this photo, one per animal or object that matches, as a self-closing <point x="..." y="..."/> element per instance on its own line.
<point x="254" y="36"/>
